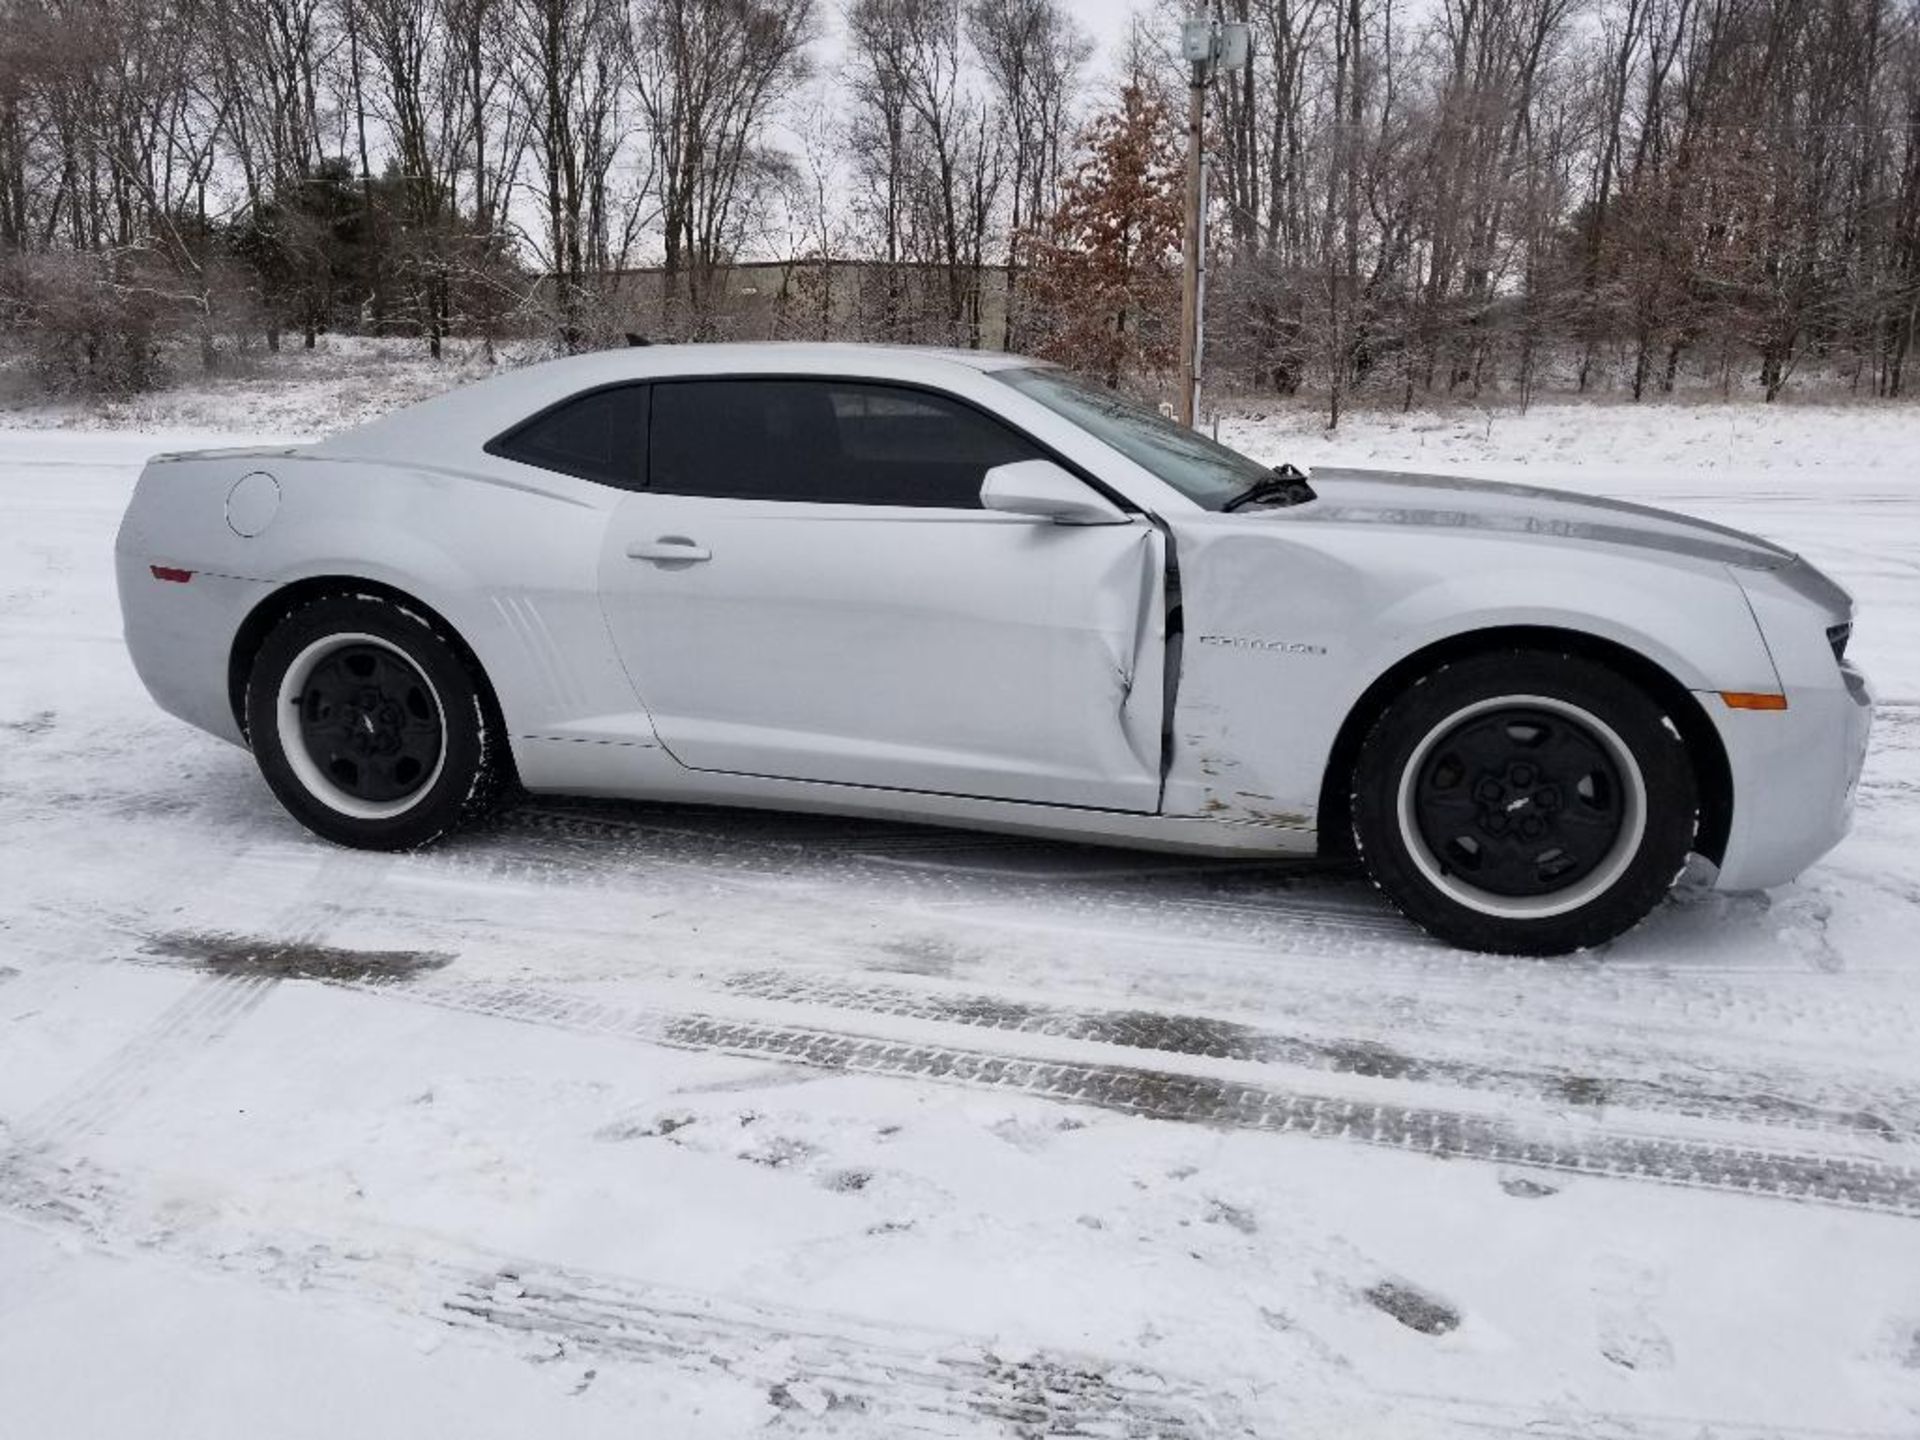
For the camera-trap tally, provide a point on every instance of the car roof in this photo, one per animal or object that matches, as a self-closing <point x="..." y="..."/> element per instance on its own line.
<point x="474" y="414"/>
<point x="823" y="357"/>
<point x="829" y="354"/>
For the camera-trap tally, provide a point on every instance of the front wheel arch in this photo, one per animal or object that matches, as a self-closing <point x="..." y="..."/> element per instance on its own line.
<point x="261" y="620"/>
<point x="1708" y="756"/>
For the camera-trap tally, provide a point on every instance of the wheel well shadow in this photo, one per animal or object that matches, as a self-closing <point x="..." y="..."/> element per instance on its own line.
<point x="259" y="623"/>
<point x="1705" y="752"/>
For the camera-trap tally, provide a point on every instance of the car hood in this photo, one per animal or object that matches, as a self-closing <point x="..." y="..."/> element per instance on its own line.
<point x="1443" y="503"/>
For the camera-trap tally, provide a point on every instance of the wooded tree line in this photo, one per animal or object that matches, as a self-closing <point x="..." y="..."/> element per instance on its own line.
<point x="1407" y="199"/>
<point x="1619" y="191"/>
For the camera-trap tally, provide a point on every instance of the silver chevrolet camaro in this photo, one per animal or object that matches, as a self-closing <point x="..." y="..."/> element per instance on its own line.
<point x="971" y="590"/>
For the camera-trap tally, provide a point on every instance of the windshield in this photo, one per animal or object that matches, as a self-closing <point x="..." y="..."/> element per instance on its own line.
<point x="1203" y="470"/>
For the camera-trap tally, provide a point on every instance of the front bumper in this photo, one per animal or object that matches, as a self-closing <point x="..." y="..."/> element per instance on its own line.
<point x="1795" y="775"/>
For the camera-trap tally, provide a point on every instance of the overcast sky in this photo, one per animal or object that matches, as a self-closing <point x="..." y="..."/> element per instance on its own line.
<point x="1105" y="20"/>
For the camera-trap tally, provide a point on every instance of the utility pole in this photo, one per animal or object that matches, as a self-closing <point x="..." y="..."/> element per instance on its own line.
<point x="1189" y="400"/>
<point x="1208" y="46"/>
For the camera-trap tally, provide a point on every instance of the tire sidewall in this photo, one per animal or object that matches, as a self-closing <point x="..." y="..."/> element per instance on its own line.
<point x="1671" y="805"/>
<point x="464" y="762"/>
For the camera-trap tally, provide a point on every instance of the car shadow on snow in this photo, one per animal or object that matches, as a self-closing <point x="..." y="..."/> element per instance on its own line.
<point x="903" y="848"/>
<point x="1330" y="896"/>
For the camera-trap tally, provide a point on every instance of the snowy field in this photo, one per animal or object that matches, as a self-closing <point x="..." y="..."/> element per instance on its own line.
<point x="658" y="1122"/>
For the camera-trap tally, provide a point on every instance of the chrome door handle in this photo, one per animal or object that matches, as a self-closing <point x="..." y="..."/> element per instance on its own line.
<point x="672" y="549"/>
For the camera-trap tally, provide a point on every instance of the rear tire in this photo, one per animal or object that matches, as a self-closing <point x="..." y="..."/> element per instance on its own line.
<point x="370" y="727"/>
<point x="1524" y="803"/>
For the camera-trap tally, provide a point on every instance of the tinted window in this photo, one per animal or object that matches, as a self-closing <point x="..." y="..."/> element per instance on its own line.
<point x="599" y="436"/>
<point x="830" y="441"/>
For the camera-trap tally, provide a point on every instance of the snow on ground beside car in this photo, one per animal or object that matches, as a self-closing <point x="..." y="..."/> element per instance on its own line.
<point x="639" y="1119"/>
<point x="1608" y="440"/>
<point x="344" y="380"/>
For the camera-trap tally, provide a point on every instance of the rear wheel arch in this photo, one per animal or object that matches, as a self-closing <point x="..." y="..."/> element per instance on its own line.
<point x="1713" y="775"/>
<point x="283" y="602"/>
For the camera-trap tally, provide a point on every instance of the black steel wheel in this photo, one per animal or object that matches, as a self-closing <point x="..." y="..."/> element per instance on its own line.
<point x="361" y="724"/>
<point x="1524" y="802"/>
<point x="369" y="726"/>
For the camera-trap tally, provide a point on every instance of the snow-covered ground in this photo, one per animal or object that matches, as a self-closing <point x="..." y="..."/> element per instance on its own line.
<point x="648" y="1121"/>
<point x="344" y="380"/>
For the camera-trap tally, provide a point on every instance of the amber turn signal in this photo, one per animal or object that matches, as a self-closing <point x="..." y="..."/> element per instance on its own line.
<point x="1753" y="700"/>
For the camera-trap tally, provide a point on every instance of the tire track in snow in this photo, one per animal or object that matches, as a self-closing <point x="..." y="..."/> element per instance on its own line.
<point x="1747" y="1098"/>
<point x="1315" y="927"/>
<point x="1846" y="1181"/>
<point x="211" y="1008"/>
<point x="216" y="1003"/>
<point x="828" y="1374"/>
<point x="1843" y="1181"/>
<point x="819" y="1369"/>
<point x="919" y="1384"/>
<point x="1850" y="1183"/>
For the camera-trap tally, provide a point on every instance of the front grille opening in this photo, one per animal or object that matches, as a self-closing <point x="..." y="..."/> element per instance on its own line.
<point x="1837" y="637"/>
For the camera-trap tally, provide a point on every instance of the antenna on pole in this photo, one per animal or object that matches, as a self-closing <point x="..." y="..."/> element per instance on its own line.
<point x="1208" y="45"/>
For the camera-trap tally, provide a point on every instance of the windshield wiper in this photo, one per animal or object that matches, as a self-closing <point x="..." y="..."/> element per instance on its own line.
<point x="1287" y="485"/>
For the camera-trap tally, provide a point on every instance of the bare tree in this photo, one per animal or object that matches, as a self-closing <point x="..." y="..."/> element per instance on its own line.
<point x="1032" y="54"/>
<point x="919" y="136"/>
<point x="709" y="74"/>
<point x="1408" y="201"/>
<point x="567" y="59"/>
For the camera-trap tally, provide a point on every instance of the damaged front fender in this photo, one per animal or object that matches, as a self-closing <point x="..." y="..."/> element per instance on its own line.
<point x="1289" y="625"/>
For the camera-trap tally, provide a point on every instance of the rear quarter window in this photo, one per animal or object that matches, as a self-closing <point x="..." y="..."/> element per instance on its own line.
<point x="599" y="436"/>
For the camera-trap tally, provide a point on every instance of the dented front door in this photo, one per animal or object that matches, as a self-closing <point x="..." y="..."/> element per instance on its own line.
<point x="962" y="652"/>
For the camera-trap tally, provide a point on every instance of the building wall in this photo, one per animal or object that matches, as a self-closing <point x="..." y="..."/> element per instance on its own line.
<point x="802" y="300"/>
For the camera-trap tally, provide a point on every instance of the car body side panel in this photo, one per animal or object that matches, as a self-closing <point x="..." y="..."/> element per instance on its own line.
<point x="1287" y="627"/>
<point x="950" y="651"/>
<point x="1795" y="771"/>
<point x="1795" y="776"/>
<point x="179" y="637"/>
<point x="511" y="566"/>
<point x="649" y="773"/>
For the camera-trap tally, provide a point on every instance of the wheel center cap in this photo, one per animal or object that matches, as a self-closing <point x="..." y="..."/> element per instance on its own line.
<point x="1517" y="802"/>
<point x="373" y="723"/>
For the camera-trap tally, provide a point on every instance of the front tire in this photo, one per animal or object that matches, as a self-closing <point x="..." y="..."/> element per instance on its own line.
<point x="369" y="726"/>
<point x="1524" y="803"/>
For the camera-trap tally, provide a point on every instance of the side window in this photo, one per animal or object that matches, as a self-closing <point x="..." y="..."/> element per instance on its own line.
<point x="598" y="436"/>
<point x="833" y="442"/>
